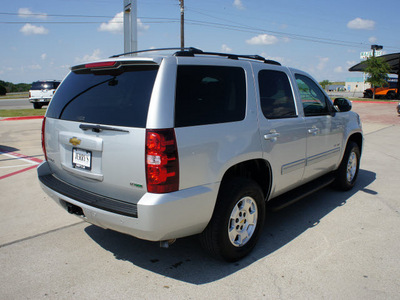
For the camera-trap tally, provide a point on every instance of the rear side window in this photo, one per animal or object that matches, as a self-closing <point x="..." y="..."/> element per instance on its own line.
<point x="276" y="95"/>
<point x="209" y="95"/>
<point x="116" y="97"/>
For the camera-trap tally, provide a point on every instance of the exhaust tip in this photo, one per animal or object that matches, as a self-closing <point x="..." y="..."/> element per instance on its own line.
<point x="167" y="243"/>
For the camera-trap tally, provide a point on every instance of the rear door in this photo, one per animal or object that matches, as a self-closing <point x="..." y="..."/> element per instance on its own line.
<point x="95" y="130"/>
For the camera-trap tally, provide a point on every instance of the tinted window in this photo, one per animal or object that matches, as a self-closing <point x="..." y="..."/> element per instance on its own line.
<point x="209" y="95"/>
<point x="276" y="95"/>
<point x="313" y="99"/>
<point x="112" y="98"/>
<point x="43" y="85"/>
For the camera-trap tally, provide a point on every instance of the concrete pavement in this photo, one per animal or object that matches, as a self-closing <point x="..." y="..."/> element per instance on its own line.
<point x="330" y="245"/>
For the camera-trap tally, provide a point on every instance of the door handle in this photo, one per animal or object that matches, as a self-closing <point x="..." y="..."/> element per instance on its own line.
<point x="272" y="135"/>
<point x="313" y="130"/>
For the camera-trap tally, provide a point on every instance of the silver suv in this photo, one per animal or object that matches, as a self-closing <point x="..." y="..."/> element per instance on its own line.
<point x="193" y="143"/>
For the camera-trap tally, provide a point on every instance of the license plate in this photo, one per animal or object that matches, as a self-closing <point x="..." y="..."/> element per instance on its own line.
<point x="81" y="159"/>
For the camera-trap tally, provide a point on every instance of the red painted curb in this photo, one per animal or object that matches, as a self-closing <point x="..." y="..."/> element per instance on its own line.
<point x="22" y="118"/>
<point x="375" y="102"/>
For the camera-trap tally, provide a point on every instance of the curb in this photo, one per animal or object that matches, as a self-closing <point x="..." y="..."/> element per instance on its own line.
<point x="22" y="118"/>
<point x="376" y="102"/>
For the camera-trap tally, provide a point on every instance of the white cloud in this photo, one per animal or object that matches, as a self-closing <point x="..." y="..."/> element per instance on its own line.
<point x="226" y="49"/>
<point x="141" y="26"/>
<point x="89" y="57"/>
<point x="35" y="67"/>
<point x="372" y="39"/>
<point x="322" y="63"/>
<point x="338" y="69"/>
<point x="29" y="29"/>
<point x="263" y="39"/>
<point x="116" y="25"/>
<point x="362" y="24"/>
<point x="238" y="4"/>
<point x="43" y="56"/>
<point x="27" y="13"/>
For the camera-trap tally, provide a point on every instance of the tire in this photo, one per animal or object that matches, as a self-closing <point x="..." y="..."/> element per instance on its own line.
<point x="237" y="220"/>
<point x="348" y="170"/>
<point x="37" y="105"/>
<point x="368" y="94"/>
<point x="391" y="95"/>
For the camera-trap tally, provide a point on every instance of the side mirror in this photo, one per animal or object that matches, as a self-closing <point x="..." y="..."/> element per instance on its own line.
<point x="342" y="104"/>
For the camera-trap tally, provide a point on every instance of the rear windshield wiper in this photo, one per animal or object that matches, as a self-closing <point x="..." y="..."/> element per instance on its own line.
<point x="99" y="128"/>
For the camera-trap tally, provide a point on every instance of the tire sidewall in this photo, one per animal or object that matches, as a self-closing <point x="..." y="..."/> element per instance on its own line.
<point x="342" y="181"/>
<point x="232" y="194"/>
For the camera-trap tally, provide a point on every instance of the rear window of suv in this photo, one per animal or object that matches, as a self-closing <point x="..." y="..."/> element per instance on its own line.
<point x="44" y="85"/>
<point x="209" y="95"/>
<point x="116" y="97"/>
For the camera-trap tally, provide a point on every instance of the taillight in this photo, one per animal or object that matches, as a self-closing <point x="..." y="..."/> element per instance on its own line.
<point x="104" y="64"/>
<point x="43" y="138"/>
<point x="162" y="163"/>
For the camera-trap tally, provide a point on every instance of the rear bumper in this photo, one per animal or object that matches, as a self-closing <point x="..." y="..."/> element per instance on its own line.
<point x="39" y="100"/>
<point x="154" y="217"/>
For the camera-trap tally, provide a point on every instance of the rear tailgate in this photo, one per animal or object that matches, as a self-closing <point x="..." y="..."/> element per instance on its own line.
<point x="95" y="129"/>
<point x="108" y="162"/>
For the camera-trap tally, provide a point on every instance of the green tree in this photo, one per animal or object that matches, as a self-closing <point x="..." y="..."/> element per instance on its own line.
<point x="3" y="90"/>
<point x="377" y="71"/>
<point x="324" y="83"/>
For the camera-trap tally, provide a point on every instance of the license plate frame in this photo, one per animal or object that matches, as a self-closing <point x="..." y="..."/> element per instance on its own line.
<point x="81" y="159"/>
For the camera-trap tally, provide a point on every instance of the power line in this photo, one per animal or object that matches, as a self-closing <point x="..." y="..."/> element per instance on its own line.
<point x="152" y="20"/>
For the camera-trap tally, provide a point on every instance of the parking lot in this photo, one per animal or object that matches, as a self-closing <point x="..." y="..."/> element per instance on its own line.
<point x="335" y="245"/>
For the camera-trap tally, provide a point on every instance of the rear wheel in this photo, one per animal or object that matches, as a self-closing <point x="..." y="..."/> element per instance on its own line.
<point x="348" y="169"/>
<point x="37" y="105"/>
<point x="391" y="95"/>
<point x="237" y="220"/>
<point x="368" y="94"/>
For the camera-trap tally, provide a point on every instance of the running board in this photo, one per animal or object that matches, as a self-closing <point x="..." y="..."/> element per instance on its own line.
<point x="295" y="195"/>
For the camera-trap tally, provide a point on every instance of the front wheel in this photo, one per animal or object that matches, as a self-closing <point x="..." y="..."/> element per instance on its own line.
<point x="237" y="220"/>
<point x="348" y="169"/>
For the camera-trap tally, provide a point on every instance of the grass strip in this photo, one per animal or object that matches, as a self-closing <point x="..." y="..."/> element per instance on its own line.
<point x="6" y="113"/>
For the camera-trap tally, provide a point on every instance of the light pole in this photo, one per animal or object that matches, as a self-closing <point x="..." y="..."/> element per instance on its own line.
<point x="182" y="24"/>
<point x="130" y="26"/>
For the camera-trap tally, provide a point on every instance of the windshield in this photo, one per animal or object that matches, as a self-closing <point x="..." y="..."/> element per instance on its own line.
<point x="111" y="98"/>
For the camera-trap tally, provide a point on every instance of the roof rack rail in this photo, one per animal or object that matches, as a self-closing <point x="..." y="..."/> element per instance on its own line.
<point x="189" y="49"/>
<point x="193" y="51"/>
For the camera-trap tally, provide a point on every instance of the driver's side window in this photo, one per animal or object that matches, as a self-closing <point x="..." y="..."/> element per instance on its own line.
<point x="313" y="99"/>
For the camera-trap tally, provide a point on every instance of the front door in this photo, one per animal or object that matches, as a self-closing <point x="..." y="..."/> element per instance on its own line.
<point x="324" y="128"/>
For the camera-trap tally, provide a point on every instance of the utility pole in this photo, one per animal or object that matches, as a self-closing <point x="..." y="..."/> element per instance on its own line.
<point x="182" y="24"/>
<point x="130" y="26"/>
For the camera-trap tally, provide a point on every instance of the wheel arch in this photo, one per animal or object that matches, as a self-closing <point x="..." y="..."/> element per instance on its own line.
<point x="358" y="139"/>
<point x="258" y="170"/>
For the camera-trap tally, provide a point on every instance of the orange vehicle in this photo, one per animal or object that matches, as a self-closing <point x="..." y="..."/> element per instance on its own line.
<point x="386" y="92"/>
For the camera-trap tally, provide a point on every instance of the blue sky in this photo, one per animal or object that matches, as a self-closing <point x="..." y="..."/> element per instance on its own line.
<point x="42" y="39"/>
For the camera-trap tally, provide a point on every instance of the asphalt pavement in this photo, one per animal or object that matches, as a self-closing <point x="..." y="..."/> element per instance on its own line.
<point x="331" y="245"/>
<point x="20" y="103"/>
